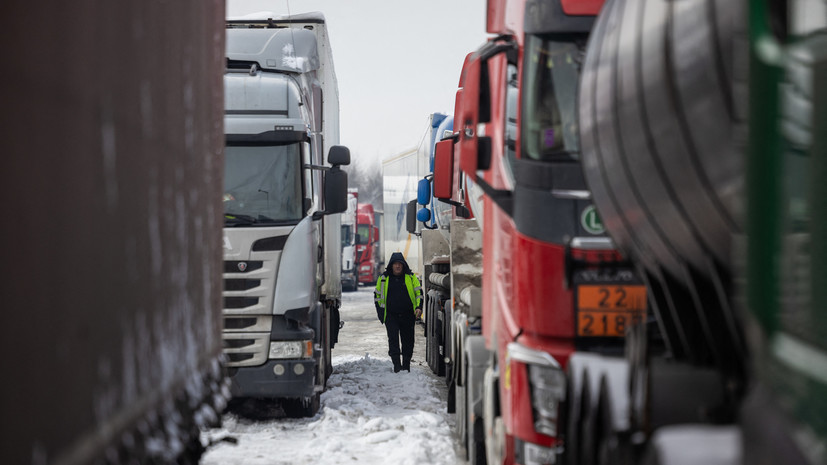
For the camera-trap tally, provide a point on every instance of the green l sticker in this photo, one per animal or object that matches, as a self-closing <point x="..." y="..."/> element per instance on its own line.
<point x="591" y="221"/>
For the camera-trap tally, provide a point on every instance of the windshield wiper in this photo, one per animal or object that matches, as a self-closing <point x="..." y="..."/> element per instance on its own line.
<point x="238" y="219"/>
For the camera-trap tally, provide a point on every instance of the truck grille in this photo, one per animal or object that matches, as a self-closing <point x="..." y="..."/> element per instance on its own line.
<point x="238" y="359"/>
<point x="250" y="271"/>
<point x="248" y="284"/>
<point x="239" y="323"/>
<point x="240" y="302"/>
<point x="242" y="266"/>
<point x="247" y="323"/>
<point x="241" y="284"/>
<point x="246" y="349"/>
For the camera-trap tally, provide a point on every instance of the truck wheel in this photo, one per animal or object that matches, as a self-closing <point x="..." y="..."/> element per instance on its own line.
<point x="451" y="404"/>
<point x="476" y="445"/>
<point x="573" y="416"/>
<point x="587" y="427"/>
<point x="474" y="430"/>
<point x="612" y="448"/>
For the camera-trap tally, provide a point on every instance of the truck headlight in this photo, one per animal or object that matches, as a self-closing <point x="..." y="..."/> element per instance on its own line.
<point x="548" y="389"/>
<point x="547" y="383"/>
<point x="291" y="349"/>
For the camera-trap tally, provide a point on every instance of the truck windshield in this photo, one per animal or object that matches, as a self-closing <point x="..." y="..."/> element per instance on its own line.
<point x="262" y="185"/>
<point x="347" y="235"/>
<point x="362" y="234"/>
<point x="552" y="71"/>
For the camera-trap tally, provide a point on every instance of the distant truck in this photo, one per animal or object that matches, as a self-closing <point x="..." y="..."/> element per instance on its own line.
<point x="350" y="280"/>
<point x="400" y="174"/>
<point x="368" y="259"/>
<point x="379" y="220"/>
<point x="400" y="178"/>
<point x="282" y="235"/>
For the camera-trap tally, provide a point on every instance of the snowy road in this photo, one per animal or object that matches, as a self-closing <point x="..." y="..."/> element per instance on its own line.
<point x="369" y="415"/>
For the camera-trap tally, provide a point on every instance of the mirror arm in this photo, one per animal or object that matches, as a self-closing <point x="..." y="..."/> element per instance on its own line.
<point x="453" y="203"/>
<point x="317" y="167"/>
<point x="502" y="198"/>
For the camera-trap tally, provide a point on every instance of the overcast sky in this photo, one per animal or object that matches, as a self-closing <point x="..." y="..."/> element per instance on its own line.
<point x="396" y="62"/>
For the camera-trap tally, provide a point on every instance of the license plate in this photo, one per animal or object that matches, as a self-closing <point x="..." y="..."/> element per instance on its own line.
<point x="607" y="310"/>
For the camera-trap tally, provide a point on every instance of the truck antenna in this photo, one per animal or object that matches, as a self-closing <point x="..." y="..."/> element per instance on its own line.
<point x="292" y="37"/>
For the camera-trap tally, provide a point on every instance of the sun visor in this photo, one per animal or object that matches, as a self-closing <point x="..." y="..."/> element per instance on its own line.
<point x="247" y="129"/>
<point x="290" y="50"/>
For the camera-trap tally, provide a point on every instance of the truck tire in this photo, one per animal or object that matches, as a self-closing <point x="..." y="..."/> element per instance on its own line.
<point x="451" y="404"/>
<point x="474" y="431"/>
<point x="586" y="428"/>
<point x="476" y="447"/>
<point x="612" y="447"/>
<point x="682" y="393"/>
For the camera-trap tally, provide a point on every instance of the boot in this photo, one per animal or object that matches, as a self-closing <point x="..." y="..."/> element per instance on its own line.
<point x="406" y="364"/>
<point x="396" y="366"/>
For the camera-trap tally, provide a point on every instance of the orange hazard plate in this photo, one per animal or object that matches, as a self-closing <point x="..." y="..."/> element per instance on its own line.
<point x="607" y="310"/>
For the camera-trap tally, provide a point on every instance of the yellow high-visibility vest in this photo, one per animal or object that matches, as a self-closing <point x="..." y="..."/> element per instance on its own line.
<point x="411" y="283"/>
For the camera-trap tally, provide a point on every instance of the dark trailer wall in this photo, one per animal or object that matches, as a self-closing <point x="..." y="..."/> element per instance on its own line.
<point x="112" y="152"/>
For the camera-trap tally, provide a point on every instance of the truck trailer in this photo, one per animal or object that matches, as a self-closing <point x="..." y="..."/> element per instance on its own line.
<point x="704" y="133"/>
<point x="282" y="204"/>
<point x="111" y="290"/>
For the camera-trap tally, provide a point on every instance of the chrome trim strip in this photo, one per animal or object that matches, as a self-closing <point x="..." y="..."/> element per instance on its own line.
<point x="592" y="243"/>
<point x="571" y="194"/>
<point x="524" y="354"/>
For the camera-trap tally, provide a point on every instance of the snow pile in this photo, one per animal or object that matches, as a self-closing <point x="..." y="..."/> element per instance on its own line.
<point x="289" y="59"/>
<point x="369" y="415"/>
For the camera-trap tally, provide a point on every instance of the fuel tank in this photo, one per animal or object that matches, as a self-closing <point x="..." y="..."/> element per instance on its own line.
<point x="658" y="114"/>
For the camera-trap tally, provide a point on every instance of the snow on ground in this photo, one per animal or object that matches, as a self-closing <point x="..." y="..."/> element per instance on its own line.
<point x="369" y="415"/>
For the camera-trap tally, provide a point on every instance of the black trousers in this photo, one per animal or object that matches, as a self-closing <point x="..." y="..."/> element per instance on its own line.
<point x="400" y="328"/>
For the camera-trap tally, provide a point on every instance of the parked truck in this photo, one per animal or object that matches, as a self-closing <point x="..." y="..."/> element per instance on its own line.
<point x="111" y="320"/>
<point x="399" y="183"/>
<point x="704" y="135"/>
<point x="368" y="241"/>
<point x="282" y="235"/>
<point x="350" y="265"/>
<point x="554" y="299"/>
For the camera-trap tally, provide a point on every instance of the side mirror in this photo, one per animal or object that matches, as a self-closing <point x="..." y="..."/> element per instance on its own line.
<point x="423" y="215"/>
<point x="444" y="169"/>
<point x="335" y="189"/>
<point x="468" y="112"/>
<point x="410" y="217"/>
<point x="423" y="192"/>
<point x="474" y="105"/>
<point x="375" y="234"/>
<point x="338" y="155"/>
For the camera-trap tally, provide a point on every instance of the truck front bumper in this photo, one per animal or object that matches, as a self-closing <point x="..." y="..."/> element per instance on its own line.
<point x="274" y="379"/>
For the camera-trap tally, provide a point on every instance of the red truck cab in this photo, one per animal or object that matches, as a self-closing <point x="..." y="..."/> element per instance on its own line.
<point x="553" y="284"/>
<point x="367" y="245"/>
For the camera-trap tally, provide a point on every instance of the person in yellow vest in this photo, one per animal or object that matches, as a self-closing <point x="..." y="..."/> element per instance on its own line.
<point x="398" y="301"/>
